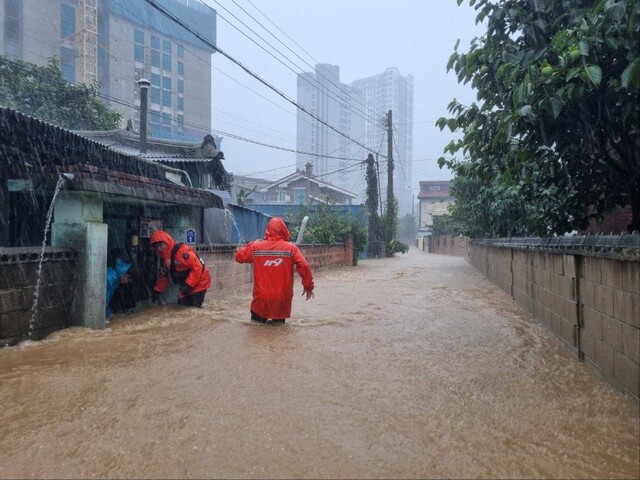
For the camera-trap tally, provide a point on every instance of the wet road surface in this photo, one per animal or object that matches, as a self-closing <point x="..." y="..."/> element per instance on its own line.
<point x="411" y="367"/>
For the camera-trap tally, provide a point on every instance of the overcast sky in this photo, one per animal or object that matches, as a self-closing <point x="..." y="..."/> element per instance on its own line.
<point x="362" y="37"/>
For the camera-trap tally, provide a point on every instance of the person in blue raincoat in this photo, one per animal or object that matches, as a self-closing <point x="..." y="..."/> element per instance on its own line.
<point x="116" y="275"/>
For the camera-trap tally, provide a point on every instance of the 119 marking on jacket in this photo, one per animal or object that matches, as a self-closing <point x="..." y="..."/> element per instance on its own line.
<point x="273" y="263"/>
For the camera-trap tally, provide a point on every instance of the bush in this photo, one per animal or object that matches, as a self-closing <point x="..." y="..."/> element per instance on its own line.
<point x="325" y="226"/>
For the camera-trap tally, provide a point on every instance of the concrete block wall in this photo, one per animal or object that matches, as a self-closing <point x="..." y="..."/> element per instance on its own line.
<point x="449" y="245"/>
<point x="18" y="281"/>
<point x="590" y="304"/>
<point x="609" y="293"/>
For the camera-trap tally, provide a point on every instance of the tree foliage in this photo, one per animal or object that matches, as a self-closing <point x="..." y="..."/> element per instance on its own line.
<point x="383" y="228"/>
<point x="42" y="92"/>
<point x="554" y="139"/>
<point x="408" y="228"/>
<point x="327" y="226"/>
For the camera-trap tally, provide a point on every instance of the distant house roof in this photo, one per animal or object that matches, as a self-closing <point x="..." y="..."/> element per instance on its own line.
<point x="284" y="182"/>
<point x="163" y="151"/>
<point x="434" y="189"/>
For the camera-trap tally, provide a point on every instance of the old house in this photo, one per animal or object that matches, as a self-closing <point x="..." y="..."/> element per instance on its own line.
<point x="303" y="188"/>
<point x="64" y="191"/>
<point x="434" y="200"/>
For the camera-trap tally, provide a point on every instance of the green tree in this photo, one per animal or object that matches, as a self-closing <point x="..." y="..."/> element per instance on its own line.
<point x="556" y="124"/>
<point x="408" y="228"/>
<point x="327" y="226"/>
<point x="42" y="92"/>
<point x="486" y="209"/>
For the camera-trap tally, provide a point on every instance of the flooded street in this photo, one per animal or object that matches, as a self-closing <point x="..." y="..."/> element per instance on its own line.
<point x="411" y="367"/>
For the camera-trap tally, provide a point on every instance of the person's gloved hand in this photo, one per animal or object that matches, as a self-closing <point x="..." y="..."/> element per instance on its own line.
<point x="156" y="297"/>
<point x="185" y="291"/>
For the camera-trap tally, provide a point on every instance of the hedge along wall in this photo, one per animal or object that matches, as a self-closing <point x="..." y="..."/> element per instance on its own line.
<point x="19" y="276"/>
<point x="591" y="304"/>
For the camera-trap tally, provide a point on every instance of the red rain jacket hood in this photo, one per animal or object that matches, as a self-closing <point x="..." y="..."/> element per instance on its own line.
<point x="187" y="265"/>
<point x="162" y="236"/>
<point x="277" y="230"/>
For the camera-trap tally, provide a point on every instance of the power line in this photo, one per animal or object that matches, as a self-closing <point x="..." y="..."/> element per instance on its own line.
<point x="247" y="70"/>
<point x="368" y="116"/>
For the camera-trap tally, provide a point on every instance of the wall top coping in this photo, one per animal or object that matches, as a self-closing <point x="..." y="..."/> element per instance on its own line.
<point x="622" y="247"/>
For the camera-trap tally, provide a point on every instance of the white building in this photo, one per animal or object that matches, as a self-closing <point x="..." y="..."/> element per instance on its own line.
<point x="359" y="111"/>
<point x="335" y="158"/>
<point x="391" y="91"/>
<point x="116" y="43"/>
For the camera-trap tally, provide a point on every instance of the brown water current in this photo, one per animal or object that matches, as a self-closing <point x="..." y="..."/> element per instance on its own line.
<point x="411" y="367"/>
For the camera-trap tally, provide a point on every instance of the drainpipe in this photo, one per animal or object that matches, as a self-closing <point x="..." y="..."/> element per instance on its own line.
<point x="144" y="93"/>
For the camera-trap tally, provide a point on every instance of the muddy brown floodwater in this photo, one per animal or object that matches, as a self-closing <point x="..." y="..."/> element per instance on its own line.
<point x="411" y="367"/>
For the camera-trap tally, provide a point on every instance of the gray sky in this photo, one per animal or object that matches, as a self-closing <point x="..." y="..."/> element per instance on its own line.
<point x="362" y="37"/>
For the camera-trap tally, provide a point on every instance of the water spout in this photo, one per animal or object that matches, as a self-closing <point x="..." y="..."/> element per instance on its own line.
<point x="64" y="177"/>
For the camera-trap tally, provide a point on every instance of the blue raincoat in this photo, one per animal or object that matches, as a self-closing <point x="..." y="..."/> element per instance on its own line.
<point x="114" y="274"/>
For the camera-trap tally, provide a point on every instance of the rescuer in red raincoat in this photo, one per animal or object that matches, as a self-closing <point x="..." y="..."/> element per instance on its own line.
<point x="180" y="263"/>
<point x="273" y="260"/>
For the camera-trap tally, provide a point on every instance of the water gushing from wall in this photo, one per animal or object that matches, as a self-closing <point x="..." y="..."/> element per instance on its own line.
<point x="229" y="215"/>
<point x="34" y="308"/>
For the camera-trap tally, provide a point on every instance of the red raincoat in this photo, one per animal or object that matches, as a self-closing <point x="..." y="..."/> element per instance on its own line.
<point x="273" y="260"/>
<point x="187" y="265"/>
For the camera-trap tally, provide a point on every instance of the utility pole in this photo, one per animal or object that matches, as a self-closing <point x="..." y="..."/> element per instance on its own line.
<point x="389" y="159"/>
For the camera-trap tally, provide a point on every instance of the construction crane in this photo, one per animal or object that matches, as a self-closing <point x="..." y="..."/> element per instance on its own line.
<point x="88" y="41"/>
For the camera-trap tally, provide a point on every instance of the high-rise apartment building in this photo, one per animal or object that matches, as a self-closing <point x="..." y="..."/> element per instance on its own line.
<point x="334" y="157"/>
<point x="391" y="91"/>
<point x="358" y="110"/>
<point x="118" y="42"/>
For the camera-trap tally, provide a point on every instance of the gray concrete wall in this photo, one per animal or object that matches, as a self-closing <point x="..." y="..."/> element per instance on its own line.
<point x="590" y="304"/>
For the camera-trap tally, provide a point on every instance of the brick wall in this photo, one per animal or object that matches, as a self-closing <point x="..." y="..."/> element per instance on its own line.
<point x="590" y="304"/>
<point x="227" y="274"/>
<point x="19" y="275"/>
<point x="18" y="281"/>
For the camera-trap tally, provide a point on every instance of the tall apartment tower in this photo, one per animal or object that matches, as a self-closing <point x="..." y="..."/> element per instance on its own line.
<point x="322" y="94"/>
<point x="117" y="42"/>
<point x="391" y="91"/>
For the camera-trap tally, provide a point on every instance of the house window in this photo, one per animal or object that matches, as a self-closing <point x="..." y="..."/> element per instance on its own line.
<point x="166" y="62"/>
<point x="434" y="188"/>
<point x="138" y="53"/>
<point x="155" y="58"/>
<point x="282" y="196"/>
<point x="13" y="27"/>
<point x="68" y="64"/>
<point x="300" y="196"/>
<point x="67" y="20"/>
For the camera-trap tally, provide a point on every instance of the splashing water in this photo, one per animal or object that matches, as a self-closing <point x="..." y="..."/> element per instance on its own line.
<point x="34" y="308"/>
<point x="229" y="215"/>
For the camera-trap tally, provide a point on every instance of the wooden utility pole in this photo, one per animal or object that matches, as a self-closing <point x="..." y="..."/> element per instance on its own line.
<point x="389" y="158"/>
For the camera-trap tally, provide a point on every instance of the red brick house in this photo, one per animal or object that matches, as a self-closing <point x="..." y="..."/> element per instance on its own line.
<point x="303" y="188"/>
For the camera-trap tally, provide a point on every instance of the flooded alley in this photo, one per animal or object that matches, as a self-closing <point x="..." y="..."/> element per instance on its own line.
<point x="410" y="367"/>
